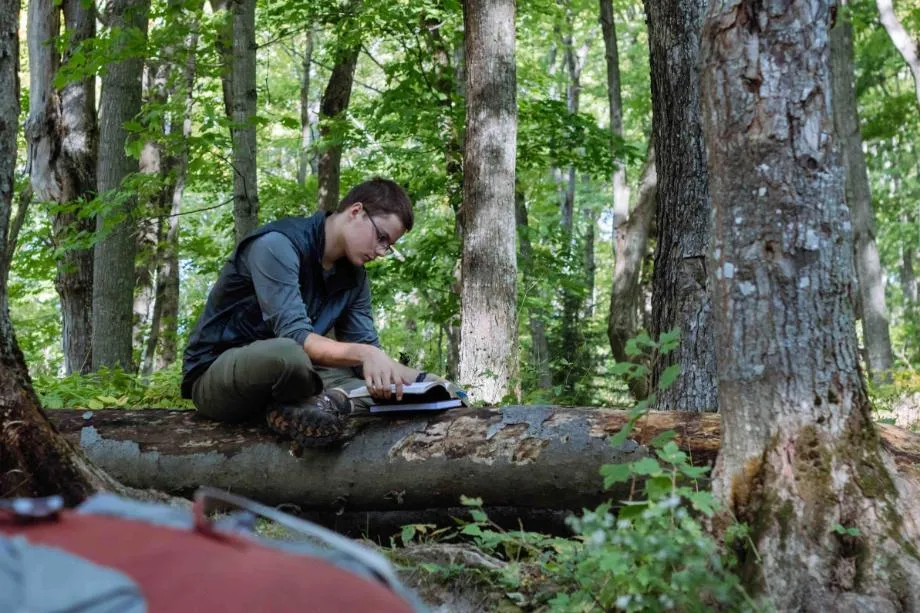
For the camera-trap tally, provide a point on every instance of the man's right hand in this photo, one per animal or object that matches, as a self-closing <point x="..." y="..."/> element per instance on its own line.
<point x="381" y="371"/>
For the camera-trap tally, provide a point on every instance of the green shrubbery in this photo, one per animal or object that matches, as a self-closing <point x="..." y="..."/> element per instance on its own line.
<point x="112" y="388"/>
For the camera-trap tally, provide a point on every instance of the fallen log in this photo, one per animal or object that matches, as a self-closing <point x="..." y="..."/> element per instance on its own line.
<point x="531" y="462"/>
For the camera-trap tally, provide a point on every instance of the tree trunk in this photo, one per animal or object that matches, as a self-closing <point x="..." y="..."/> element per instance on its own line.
<point x="539" y="347"/>
<point x="243" y="127"/>
<point x="908" y="277"/>
<point x="800" y="455"/>
<point x="680" y="292"/>
<point x="160" y="351"/>
<point x="615" y="101"/>
<point x="907" y="46"/>
<point x="573" y="298"/>
<point x="34" y="459"/>
<point x="306" y="128"/>
<point x="61" y="133"/>
<point x="631" y="244"/>
<point x="859" y="199"/>
<point x="153" y="161"/>
<point x="113" y="274"/>
<point x="488" y="296"/>
<point x="331" y="110"/>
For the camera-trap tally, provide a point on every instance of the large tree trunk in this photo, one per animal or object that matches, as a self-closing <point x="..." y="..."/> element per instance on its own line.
<point x="331" y="109"/>
<point x="243" y="126"/>
<point x="306" y="128"/>
<point x="62" y="139"/>
<point x="34" y="459"/>
<point x="488" y="296"/>
<point x="680" y="291"/>
<point x="615" y="103"/>
<point x="859" y="198"/>
<point x="907" y="46"/>
<point x="113" y="274"/>
<point x="539" y="347"/>
<point x="800" y="454"/>
<point x="631" y="244"/>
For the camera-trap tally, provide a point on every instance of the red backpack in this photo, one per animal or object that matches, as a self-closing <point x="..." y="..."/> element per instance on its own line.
<point x="113" y="554"/>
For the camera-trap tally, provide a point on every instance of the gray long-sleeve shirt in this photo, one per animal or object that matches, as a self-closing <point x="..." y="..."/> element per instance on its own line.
<point x="272" y="263"/>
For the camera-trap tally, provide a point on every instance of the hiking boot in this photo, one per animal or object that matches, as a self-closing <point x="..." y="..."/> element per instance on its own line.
<point x="318" y="421"/>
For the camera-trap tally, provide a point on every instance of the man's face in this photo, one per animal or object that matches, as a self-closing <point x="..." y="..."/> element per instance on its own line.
<point x="368" y="238"/>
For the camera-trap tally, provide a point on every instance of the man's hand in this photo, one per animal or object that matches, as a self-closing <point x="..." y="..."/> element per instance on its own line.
<point x="381" y="371"/>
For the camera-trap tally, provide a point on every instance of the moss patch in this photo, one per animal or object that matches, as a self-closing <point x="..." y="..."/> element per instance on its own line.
<point x="812" y="469"/>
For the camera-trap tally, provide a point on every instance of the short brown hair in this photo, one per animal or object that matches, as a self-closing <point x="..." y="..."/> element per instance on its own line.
<point x="381" y="197"/>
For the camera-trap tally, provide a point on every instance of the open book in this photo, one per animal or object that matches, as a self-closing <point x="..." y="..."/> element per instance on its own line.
<point x="424" y="396"/>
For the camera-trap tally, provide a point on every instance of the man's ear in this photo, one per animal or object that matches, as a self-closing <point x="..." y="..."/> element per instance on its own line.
<point x="355" y="209"/>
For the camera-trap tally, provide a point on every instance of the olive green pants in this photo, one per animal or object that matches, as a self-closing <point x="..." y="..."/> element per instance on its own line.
<point x="244" y="380"/>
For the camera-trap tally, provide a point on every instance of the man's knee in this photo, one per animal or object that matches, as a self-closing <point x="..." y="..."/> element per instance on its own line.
<point x="278" y="358"/>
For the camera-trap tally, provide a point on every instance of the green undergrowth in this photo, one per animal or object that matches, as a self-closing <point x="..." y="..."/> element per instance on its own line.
<point x="648" y="552"/>
<point x="112" y="388"/>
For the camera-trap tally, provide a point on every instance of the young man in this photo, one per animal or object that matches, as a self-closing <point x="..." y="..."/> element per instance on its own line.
<point x="260" y="344"/>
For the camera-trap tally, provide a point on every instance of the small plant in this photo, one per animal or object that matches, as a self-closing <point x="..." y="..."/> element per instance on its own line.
<point x="112" y="388"/>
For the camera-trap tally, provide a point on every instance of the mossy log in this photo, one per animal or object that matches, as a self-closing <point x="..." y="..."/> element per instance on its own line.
<point x="530" y="462"/>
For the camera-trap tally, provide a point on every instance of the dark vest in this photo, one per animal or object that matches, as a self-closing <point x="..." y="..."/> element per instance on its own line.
<point x="232" y="317"/>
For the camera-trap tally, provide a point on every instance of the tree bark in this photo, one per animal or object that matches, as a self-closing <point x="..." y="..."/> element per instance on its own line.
<point x="908" y="276"/>
<point x="907" y="46"/>
<point x="800" y="453"/>
<point x="113" y="274"/>
<point x="306" y="128"/>
<point x="615" y="102"/>
<point x="539" y="347"/>
<point x="62" y="143"/>
<point x="680" y="292"/>
<point x="331" y="109"/>
<point x="631" y="244"/>
<point x="859" y="199"/>
<point x="488" y="296"/>
<point x="243" y="127"/>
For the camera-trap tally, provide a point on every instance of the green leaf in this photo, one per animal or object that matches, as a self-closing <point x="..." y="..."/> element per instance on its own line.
<point x="662" y="439"/>
<point x="668" y="376"/>
<point x="618" y="439"/>
<point x="632" y="509"/>
<point x="407" y="533"/>
<point x="470" y="502"/>
<point x="658" y="487"/>
<point x="615" y="473"/>
<point x="693" y="472"/>
<point x="94" y="404"/>
<point x="472" y="530"/>
<point x="646" y="466"/>
<point x="479" y="516"/>
<point x="702" y="501"/>
<point x="672" y="454"/>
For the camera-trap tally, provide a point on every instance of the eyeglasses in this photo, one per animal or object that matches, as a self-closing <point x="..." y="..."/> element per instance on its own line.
<point x="384" y="241"/>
